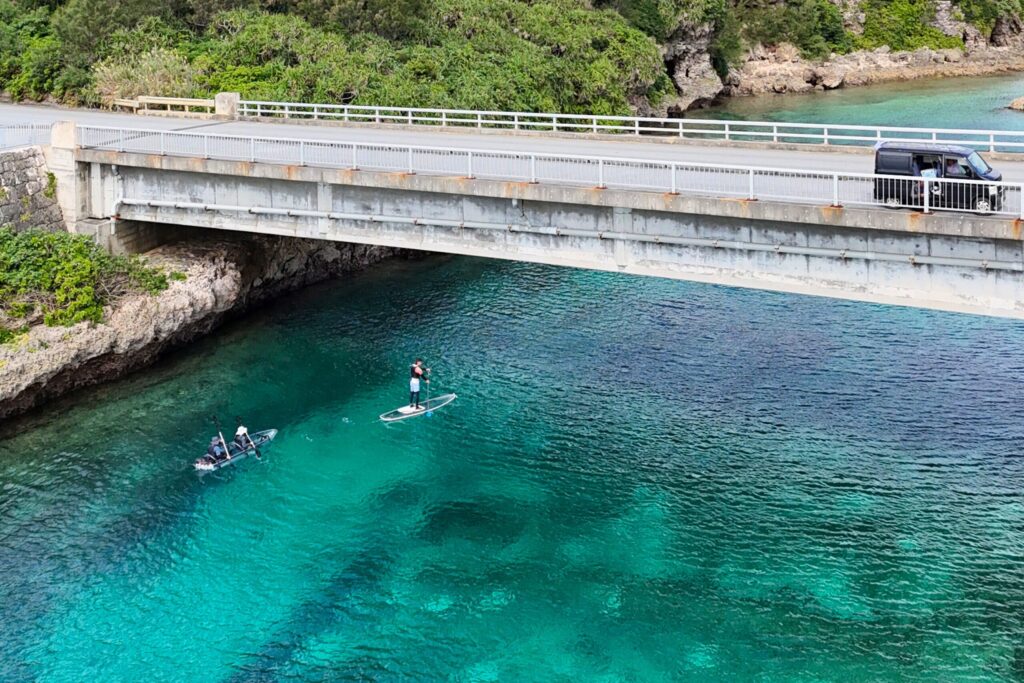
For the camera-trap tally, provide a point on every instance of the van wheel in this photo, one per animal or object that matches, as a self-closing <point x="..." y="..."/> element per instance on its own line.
<point x="983" y="206"/>
<point x="892" y="202"/>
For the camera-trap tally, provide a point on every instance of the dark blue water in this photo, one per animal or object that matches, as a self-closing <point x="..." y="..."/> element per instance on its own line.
<point x="641" y="480"/>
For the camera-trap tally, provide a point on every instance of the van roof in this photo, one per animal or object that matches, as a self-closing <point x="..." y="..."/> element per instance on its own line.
<point x="924" y="147"/>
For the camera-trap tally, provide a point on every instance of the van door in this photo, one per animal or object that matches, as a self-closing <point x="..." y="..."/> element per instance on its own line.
<point x="958" y="195"/>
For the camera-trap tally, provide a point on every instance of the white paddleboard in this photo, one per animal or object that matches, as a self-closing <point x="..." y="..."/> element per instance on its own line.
<point x="411" y="411"/>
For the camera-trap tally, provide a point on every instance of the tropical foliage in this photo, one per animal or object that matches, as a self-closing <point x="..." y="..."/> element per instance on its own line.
<point x="62" y="279"/>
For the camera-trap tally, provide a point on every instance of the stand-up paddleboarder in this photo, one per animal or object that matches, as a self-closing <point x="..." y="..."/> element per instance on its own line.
<point x="418" y="374"/>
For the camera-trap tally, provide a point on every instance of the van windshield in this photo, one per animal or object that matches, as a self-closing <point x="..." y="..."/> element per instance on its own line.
<point x="978" y="164"/>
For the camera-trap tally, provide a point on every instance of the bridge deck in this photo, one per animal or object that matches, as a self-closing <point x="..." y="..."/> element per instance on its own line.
<point x="691" y="151"/>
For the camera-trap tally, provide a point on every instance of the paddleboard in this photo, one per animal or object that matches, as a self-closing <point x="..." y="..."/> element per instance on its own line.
<point x="405" y="412"/>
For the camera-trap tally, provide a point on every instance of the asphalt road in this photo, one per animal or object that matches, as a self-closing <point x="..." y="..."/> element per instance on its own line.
<point x="811" y="160"/>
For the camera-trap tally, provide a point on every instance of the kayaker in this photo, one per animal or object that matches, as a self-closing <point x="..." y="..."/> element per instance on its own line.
<point x="242" y="439"/>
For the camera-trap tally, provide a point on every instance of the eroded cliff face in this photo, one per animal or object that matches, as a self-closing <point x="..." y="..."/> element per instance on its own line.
<point x="224" y="277"/>
<point x="688" y="61"/>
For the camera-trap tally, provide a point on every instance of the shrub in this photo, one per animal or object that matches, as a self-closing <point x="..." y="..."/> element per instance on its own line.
<point x="38" y="69"/>
<point x="902" y="25"/>
<point x="161" y="72"/>
<point x="64" y="278"/>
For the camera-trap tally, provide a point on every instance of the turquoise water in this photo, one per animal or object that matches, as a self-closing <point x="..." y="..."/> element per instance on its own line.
<point x="641" y="480"/>
<point x="970" y="102"/>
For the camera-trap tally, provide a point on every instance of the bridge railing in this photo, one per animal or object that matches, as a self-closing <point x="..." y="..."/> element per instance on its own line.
<point x="692" y="129"/>
<point x="23" y="135"/>
<point x="711" y="180"/>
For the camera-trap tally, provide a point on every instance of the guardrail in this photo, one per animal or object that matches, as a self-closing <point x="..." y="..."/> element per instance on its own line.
<point x="174" y="106"/>
<point x="711" y="180"/>
<point x="692" y="129"/>
<point x="23" y="135"/>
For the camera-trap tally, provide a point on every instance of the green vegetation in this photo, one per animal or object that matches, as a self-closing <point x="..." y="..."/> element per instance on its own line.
<point x="63" y="279"/>
<point x="903" y="25"/>
<point x="554" y="55"/>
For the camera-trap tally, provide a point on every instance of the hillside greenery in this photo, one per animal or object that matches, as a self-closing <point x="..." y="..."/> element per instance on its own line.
<point x="554" y="55"/>
<point x="62" y="279"/>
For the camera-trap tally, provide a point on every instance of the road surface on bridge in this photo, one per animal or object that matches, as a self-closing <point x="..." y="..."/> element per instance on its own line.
<point x="693" y="152"/>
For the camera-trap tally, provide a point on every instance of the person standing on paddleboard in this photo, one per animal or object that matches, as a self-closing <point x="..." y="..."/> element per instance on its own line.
<point x="418" y="373"/>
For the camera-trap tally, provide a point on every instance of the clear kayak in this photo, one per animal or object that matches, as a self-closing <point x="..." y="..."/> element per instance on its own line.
<point x="208" y="463"/>
<point x="427" y="406"/>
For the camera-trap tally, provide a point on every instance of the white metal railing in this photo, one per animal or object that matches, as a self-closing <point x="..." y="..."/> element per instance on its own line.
<point x="24" y="134"/>
<point x="713" y="180"/>
<point x="694" y="129"/>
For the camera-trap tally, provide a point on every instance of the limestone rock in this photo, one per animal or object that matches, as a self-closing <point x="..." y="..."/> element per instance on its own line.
<point x="224" y="277"/>
<point x="688" y="61"/>
<point x="1017" y="104"/>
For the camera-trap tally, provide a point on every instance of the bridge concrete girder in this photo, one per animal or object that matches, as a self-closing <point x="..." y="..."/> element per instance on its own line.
<point x="945" y="261"/>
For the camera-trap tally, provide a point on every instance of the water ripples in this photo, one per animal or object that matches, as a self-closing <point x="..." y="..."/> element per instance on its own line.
<point x="640" y="480"/>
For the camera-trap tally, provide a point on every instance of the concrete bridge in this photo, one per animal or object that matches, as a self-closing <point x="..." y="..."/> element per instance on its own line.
<point x="802" y="219"/>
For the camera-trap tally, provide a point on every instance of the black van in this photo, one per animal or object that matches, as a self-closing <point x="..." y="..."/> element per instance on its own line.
<point x="945" y="162"/>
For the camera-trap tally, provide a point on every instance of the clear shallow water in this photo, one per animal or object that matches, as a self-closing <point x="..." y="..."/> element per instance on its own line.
<point x="641" y="480"/>
<point x="970" y="102"/>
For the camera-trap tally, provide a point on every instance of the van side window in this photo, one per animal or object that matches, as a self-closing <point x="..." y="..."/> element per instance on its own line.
<point x="897" y="163"/>
<point x="956" y="167"/>
<point x="927" y="165"/>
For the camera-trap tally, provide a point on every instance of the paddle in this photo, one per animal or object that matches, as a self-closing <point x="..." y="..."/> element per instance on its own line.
<point x="426" y="376"/>
<point x="259" y="456"/>
<point x="220" y="433"/>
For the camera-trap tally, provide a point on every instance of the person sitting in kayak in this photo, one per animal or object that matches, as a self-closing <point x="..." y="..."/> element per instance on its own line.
<point x="242" y="439"/>
<point x="216" y="449"/>
<point x="418" y="373"/>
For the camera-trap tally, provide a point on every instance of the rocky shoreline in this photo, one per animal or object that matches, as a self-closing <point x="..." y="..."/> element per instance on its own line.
<point x="224" y="277"/>
<point x="781" y="69"/>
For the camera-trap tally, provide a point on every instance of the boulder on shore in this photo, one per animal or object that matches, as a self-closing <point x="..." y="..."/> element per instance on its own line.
<point x="1017" y="104"/>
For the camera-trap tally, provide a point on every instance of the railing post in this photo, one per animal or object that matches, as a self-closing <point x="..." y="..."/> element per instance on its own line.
<point x="826" y="135"/>
<point x="835" y="189"/>
<point x="750" y="185"/>
<point x="252" y="150"/>
<point x="595" y="124"/>
<point x="469" y="164"/>
<point x="411" y="171"/>
<point x="775" y="132"/>
<point x="927" y="195"/>
<point x="991" y="142"/>
<point x="672" y="168"/>
<point x="316" y="112"/>
<point x="410" y="117"/>
<point x="355" y="166"/>
<point x="600" y="174"/>
<point x="302" y="152"/>
<point x="727" y="131"/>
<point x="287" y="111"/>
<point x="206" y="146"/>
<point x="680" y="129"/>
<point x="533" y="168"/>
<point x="259" y="110"/>
<point x="120" y="140"/>
<point x="376" y="115"/>
<point x="444" y="119"/>
<point x="515" y="121"/>
<point x="344" y="114"/>
<point x="636" y="126"/>
<point x="479" y="121"/>
<point x="163" y="145"/>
